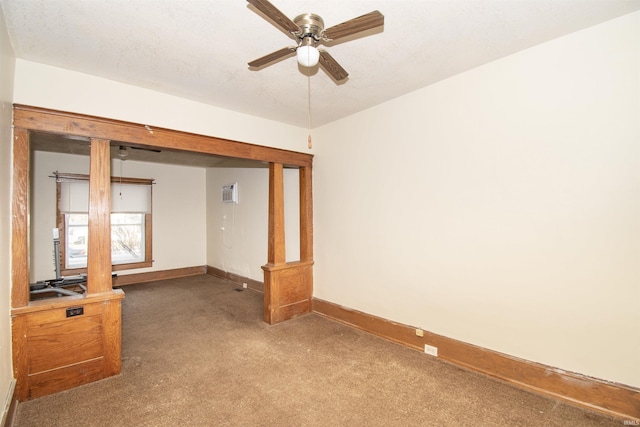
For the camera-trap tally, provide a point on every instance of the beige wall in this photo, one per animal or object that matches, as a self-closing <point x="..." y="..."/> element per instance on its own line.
<point x="7" y="64"/>
<point x="500" y="207"/>
<point x="237" y="233"/>
<point x="179" y="210"/>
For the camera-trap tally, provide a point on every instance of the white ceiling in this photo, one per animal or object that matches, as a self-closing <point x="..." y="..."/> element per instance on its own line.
<point x="199" y="49"/>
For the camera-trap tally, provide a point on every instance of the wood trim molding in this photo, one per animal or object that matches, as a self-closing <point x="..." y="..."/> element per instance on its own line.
<point x="236" y="278"/>
<point x="11" y="406"/>
<point x="613" y="399"/>
<point x="152" y="276"/>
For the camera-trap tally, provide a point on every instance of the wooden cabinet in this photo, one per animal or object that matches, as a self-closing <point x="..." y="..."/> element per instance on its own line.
<point x="65" y="342"/>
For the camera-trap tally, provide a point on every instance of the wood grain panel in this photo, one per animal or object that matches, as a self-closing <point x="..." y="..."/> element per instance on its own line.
<point x="48" y="382"/>
<point x="59" y="313"/>
<point x="294" y="286"/>
<point x="20" y="220"/>
<point x="287" y="290"/>
<point x="112" y="338"/>
<point x="99" y="244"/>
<point x="614" y="399"/>
<point x="20" y="356"/>
<point x="52" y="352"/>
<point x="271" y="298"/>
<point x="293" y="310"/>
<point x="67" y="342"/>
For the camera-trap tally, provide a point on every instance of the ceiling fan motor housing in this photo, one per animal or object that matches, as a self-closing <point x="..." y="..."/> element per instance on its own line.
<point x="311" y="25"/>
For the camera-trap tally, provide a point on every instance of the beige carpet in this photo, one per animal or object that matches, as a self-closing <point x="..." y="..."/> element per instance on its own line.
<point x="197" y="353"/>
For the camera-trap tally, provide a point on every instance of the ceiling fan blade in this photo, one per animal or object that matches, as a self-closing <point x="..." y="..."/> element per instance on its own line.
<point x="332" y="67"/>
<point x="356" y="25"/>
<point x="273" y="56"/>
<point x="153" y="150"/>
<point x="272" y="12"/>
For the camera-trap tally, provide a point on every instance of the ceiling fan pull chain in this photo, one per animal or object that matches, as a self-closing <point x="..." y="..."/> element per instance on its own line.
<point x="121" y="162"/>
<point x="309" y="143"/>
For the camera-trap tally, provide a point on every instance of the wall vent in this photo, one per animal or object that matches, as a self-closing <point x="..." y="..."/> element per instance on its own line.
<point x="230" y="193"/>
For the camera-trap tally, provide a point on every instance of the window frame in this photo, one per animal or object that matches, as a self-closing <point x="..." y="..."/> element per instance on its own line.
<point x="61" y="224"/>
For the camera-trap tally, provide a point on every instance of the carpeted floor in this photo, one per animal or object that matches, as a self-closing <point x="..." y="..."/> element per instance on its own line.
<point x="196" y="352"/>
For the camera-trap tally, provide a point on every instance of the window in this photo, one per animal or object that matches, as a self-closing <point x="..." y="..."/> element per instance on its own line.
<point x="130" y="222"/>
<point x="127" y="238"/>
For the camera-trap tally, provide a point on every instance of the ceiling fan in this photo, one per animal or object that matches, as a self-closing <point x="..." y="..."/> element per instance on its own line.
<point x="122" y="150"/>
<point x="308" y="31"/>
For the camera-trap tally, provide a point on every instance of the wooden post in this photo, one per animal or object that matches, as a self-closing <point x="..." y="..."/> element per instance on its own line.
<point x="306" y="215"/>
<point x="99" y="248"/>
<point x="20" y="220"/>
<point x="276" y="253"/>
<point x="288" y="286"/>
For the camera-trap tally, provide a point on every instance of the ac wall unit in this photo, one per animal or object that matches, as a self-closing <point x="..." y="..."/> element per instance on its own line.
<point x="230" y="193"/>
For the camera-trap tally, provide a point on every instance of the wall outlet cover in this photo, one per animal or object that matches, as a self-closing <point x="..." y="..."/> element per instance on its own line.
<point x="431" y="350"/>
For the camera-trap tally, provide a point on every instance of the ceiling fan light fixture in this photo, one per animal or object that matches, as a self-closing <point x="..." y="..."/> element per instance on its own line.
<point x="122" y="152"/>
<point x="308" y="56"/>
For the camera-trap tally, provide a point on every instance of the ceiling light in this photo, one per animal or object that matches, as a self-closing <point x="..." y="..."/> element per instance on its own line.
<point x="308" y="56"/>
<point x="122" y="152"/>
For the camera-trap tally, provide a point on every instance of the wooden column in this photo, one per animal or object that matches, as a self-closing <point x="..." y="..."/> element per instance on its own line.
<point x="288" y="285"/>
<point x="306" y="215"/>
<point x="20" y="220"/>
<point x="99" y="246"/>
<point x="276" y="254"/>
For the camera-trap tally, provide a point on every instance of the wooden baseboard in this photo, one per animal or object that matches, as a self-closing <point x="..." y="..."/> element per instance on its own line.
<point x="10" y="407"/>
<point x="611" y="398"/>
<point x="152" y="276"/>
<point x="236" y="278"/>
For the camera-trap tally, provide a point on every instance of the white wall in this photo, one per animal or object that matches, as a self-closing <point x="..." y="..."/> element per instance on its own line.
<point x="7" y="65"/>
<point x="500" y="207"/>
<point x="179" y="210"/>
<point x="237" y="233"/>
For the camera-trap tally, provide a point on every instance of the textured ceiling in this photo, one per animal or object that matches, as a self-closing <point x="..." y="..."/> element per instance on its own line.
<point x="199" y="49"/>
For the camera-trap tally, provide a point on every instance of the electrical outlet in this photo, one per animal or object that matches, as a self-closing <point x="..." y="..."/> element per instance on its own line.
<point x="431" y="350"/>
<point x="419" y="332"/>
<point x="244" y="285"/>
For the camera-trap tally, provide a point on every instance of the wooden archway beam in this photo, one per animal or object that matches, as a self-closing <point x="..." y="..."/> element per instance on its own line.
<point x="52" y="121"/>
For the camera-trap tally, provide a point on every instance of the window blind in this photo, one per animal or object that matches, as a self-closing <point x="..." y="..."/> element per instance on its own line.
<point x="125" y="197"/>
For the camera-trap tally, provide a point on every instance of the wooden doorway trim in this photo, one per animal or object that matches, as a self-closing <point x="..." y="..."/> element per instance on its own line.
<point x="27" y="119"/>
